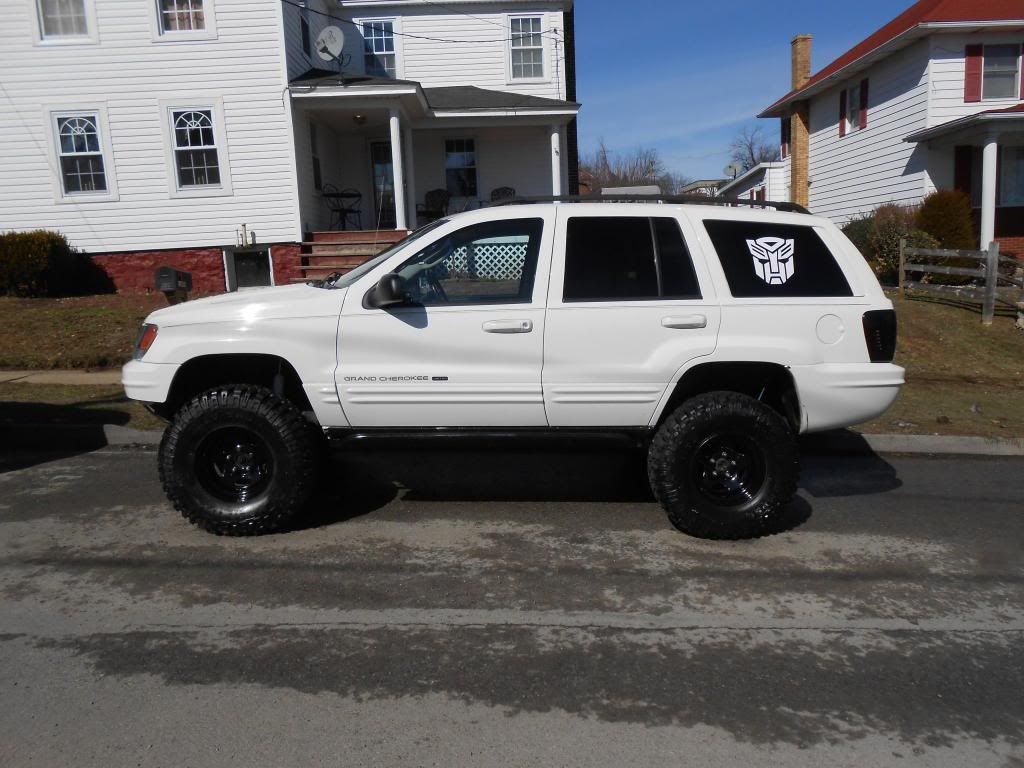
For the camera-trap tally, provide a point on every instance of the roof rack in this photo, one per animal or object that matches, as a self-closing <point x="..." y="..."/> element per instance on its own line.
<point x="666" y="199"/>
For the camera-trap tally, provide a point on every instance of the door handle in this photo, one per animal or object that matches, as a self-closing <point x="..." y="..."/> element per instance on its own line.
<point x="508" y="326"/>
<point x="683" y="322"/>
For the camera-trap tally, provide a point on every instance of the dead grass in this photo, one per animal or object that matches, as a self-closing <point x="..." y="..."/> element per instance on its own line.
<point x="962" y="378"/>
<point x="87" y="332"/>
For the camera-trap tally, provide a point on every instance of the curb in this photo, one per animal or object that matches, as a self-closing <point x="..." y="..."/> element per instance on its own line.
<point x="835" y="443"/>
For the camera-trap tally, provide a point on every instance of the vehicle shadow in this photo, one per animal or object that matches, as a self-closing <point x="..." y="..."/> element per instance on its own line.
<point x="841" y="464"/>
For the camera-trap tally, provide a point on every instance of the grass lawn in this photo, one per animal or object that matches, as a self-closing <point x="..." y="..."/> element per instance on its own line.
<point x="80" y="332"/>
<point x="962" y="378"/>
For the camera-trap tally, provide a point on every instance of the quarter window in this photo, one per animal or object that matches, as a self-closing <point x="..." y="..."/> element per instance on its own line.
<point x="80" y="148"/>
<point x="853" y="108"/>
<point x="527" y="47"/>
<point x="181" y="15"/>
<point x="1001" y="72"/>
<point x="460" y="167"/>
<point x="627" y="259"/>
<point x="63" y="18"/>
<point x="195" y="148"/>
<point x="490" y="263"/>
<point x="379" y="49"/>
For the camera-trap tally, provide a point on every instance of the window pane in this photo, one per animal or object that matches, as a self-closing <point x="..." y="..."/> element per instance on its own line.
<point x="194" y="129"/>
<point x="1000" y="85"/>
<point x="379" y="48"/>
<point x="1001" y="75"/>
<point x="197" y="167"/>
<point x="609" y="258"/>
<point x="182" y="15"/>
<point x="1011" y="191"/>
<point x="63" y="17"/>
<point x="83" y="173"/>
<point x="491" y="263"/>
<point x="776" y="260"/>
<point x="678" y="279"/>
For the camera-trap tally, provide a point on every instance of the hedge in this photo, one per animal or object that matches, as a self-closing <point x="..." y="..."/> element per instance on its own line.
<point x="42" y="263"/>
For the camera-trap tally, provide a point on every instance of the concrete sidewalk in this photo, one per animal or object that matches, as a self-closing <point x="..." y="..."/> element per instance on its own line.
<point x="69" y="378"/>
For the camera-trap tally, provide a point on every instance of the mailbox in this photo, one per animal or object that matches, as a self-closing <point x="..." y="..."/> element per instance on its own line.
<point x="173" y="283"/>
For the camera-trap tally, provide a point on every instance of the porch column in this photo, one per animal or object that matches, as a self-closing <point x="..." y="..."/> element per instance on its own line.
<point x="556" y="160"/>
<point x="989" y="173"/>
<point x="410" y="175"/>
<point x="399" y="177"/>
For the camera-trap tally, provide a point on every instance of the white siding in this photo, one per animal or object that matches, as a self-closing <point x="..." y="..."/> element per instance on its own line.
<point x="948" y="66"/>
<point x="864" y="169"/>
<point x="772" y="179"/>
<point x="128" y="74"/>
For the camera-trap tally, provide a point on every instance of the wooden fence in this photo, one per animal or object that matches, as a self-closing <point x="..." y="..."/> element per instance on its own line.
<point x="997" y="279"/>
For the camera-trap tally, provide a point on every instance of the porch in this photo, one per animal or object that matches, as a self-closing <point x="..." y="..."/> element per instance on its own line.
<point x="983" y="156"/>
<point x="445" y="150"/>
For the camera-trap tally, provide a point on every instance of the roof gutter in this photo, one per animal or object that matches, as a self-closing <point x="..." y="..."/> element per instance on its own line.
<point x="964" y="122"/>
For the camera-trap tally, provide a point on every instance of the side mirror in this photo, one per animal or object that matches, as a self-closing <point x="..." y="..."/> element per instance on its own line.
<point x="388" y="292"/>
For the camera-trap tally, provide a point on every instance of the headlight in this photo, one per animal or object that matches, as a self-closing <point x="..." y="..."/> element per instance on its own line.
<point x="147" y="335"/>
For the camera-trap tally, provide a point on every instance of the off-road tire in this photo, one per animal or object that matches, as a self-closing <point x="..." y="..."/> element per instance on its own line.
<point x="277" y="431"/>
<point x="683" y="466"/>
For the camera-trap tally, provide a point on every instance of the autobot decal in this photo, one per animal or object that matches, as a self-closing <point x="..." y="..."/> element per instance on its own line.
<point x="773" y="259"/>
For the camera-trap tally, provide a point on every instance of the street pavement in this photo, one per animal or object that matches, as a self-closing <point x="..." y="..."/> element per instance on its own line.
<point x="480" y="608"/>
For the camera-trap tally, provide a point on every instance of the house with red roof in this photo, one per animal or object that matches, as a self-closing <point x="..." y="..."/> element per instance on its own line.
<point x="932" y="100"/>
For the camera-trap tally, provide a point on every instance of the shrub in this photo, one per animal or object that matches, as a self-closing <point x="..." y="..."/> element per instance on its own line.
<point x="946" y="216"/>
<point x="859" y="232"/>
<point x="42" y="263"/>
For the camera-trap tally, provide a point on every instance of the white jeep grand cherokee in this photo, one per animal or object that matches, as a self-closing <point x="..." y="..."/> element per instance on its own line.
<point x="713" y="333"/>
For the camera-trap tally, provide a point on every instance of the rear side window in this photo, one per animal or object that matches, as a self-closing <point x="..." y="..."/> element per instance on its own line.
<point x="776" y="260"/>
<point x="627" y="259"/>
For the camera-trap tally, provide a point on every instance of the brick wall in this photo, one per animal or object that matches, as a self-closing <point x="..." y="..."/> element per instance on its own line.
<point x="132" y="271"/>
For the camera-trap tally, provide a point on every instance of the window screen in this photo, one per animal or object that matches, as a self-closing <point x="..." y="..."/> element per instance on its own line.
<point x="775" y="260"/>
<point x="610" y="258"/>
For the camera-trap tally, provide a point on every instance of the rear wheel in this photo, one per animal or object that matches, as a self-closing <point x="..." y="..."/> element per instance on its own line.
<point x="238" y="461"/>
<point x="724" y="466"/>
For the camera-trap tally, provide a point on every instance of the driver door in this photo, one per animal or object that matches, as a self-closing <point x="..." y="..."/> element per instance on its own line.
<point x="466" y="349"/>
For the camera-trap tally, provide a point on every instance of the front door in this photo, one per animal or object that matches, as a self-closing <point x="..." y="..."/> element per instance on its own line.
<point x="628" y="308"/>
<point x="466" y="350"/>
<point x="383" y="184"/>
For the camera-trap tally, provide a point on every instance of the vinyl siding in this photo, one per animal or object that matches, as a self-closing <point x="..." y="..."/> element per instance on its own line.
<point x="129" y="75"/>
<point x="856" y="173"/>
<point x="948" y="67"/>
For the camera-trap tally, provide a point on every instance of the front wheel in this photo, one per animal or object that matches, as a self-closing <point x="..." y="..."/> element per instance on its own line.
<point x="724" y="466"/>
<point x="238" y="461"/>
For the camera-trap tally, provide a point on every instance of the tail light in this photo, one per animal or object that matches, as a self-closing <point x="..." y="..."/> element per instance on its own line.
<point x="147" y="335"/>
<point x="880" y="334"/>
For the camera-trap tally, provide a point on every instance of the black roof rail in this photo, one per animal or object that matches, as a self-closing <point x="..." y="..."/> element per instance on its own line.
<point x="736" y="202"/>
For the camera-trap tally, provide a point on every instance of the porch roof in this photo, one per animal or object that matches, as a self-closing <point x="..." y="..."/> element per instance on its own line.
<point x="1010" y="119"/>
<point x="449" y="101"/>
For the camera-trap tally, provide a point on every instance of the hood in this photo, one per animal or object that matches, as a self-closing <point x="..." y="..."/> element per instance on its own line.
<point x="250" y="306"/>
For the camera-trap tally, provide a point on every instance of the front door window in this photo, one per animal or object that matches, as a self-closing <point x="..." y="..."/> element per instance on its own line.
<point x="383" y="184"/>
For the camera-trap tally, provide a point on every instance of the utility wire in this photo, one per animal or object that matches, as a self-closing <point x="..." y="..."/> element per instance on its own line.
<point x="549" y="33"/>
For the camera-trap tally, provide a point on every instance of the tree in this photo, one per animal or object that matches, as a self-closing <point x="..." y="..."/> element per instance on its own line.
<point x="750" y="148"/>
<point x="640" y="167"/>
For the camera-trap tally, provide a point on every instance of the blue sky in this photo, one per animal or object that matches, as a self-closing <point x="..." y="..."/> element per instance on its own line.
<point x="684" y="76"/>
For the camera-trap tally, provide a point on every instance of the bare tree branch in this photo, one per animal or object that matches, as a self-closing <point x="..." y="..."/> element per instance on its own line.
<point x="750" y="148"/>
<point x="640" y="167"/>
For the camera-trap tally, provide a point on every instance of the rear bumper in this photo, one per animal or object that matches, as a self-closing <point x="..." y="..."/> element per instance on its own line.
<point x="148" y="382"/>
<point x="838" y="395"/>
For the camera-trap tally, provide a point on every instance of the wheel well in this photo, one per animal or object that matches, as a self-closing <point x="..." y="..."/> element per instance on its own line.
<point x="202" y="373"/>
<point x="770" y="383"/>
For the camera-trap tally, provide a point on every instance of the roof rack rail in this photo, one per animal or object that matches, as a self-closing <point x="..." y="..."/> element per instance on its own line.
<point x="666" y="199"/>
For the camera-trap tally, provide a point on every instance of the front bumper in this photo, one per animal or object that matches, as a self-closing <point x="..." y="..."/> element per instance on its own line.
<point x="148" y="382"/>
<point x="836" y="395"/>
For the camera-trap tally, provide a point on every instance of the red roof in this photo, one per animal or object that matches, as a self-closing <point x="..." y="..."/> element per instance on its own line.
<point x="1017" y="108"/>
<point x="923" y="12"/>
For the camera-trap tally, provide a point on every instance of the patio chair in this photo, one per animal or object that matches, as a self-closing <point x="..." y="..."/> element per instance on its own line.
<point x="501" y="194"/>
<point x="434" y="206"/>
<point x="345" y="205"/>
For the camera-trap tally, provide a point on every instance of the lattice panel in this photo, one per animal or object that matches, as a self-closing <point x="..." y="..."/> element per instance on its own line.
<point x="490" y="261"/>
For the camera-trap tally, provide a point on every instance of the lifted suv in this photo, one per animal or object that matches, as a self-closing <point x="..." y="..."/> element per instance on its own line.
<point x="713" y="333"/>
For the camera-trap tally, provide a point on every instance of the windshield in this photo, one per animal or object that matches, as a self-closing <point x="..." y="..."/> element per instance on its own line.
<point x="350" y="277"/>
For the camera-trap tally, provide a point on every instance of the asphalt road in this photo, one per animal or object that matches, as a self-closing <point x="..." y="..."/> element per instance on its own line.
<point x="480" y="609"/>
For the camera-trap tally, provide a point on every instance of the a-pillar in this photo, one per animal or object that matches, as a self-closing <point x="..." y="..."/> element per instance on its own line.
<point x="989" y="174"/>
<point x="399" y="171"/>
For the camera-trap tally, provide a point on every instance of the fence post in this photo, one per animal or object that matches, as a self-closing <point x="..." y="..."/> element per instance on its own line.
<point x="988" y="309"/>
<point x="903" y="261"/>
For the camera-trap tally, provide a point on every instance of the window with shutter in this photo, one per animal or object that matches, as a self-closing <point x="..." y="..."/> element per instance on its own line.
<point x="973" y="73"/>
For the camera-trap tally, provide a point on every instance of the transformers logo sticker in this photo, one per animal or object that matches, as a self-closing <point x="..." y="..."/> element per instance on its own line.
<point x="773" y="259"/>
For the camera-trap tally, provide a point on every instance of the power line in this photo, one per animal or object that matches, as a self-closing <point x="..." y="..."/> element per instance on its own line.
<point x="550" y="33"/>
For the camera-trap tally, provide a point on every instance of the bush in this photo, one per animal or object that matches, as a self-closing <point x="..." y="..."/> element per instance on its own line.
<point x="859" y="232"/>
<point x="946" y="216"/>
<point x="893" y="223"/>
<point x="42" y="263"/>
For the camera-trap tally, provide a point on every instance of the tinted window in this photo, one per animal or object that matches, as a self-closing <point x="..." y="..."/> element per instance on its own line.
<point x="764" y="260"/>
<point x="491" y="263"/>
<point x="615" y="258"/>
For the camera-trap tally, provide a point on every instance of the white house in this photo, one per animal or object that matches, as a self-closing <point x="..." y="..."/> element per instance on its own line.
<point x="150" y="131"/>
<point x="765" y="181"/>
<point x="932" y="100"/>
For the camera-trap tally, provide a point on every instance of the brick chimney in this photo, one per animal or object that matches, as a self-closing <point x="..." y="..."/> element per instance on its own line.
<point x="799" y="124"/>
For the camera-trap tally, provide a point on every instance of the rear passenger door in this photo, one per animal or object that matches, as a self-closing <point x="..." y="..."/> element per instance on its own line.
<point x="628" y="308"/>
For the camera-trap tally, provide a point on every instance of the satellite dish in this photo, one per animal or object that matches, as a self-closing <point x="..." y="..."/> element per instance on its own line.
<point x="329" y="43"/>
<point x="733" y="170"/>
